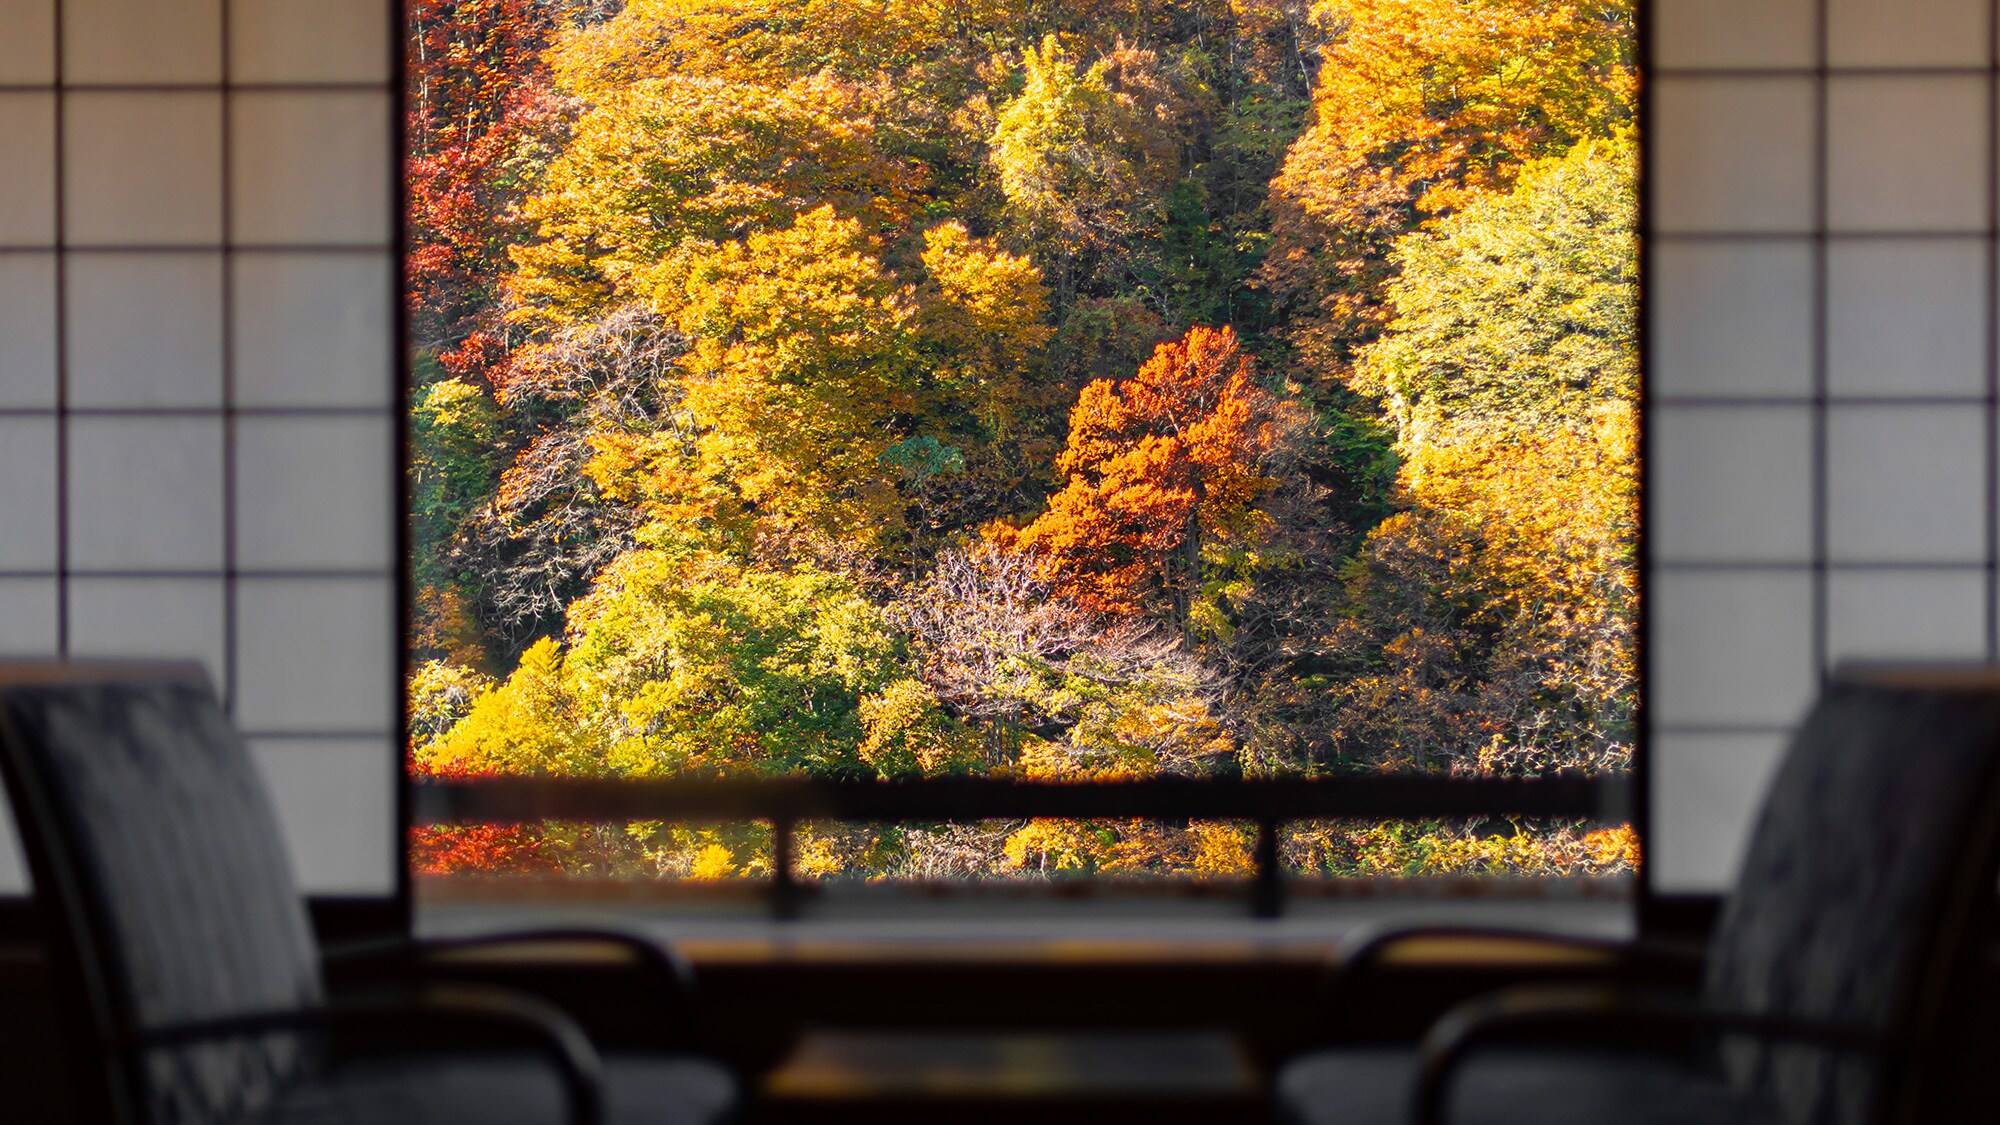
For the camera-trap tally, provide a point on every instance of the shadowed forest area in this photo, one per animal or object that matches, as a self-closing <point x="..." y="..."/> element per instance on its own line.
<point x="1083" y="390"/>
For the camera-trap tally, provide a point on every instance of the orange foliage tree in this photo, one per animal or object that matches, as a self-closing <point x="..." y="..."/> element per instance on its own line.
<point x="1156" y="464"/>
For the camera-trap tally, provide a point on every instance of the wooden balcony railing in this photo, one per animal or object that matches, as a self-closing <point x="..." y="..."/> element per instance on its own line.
<point x="785" y="802"/>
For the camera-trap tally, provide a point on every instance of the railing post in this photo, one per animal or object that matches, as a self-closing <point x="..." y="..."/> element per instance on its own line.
<point x="784" y="889"/>
<point x="1267" y="895"/>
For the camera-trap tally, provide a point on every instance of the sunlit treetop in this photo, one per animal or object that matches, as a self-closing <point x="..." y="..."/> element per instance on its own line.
<point x="658" y="173"/>
<point x="1417" y="107"/>
<point x="1086" y="154"/>
<point x="772" y="41"/>
<point x="1518" y="310"/>
<point x="1447" y="98"/>
<point x="801" y="364"/>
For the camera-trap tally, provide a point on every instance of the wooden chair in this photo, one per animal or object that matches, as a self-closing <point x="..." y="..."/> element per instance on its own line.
<point x="1864" y="903"/>
<point x="179" y="932"/>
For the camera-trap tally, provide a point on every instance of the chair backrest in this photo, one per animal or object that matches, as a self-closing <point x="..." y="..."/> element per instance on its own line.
<point x="157" y="856"/>
<point x="1873" y="854"/>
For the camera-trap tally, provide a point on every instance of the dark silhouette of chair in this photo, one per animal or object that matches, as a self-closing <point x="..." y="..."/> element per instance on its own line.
<point x="1828" y="986"/>
<point x="174" y="918"/>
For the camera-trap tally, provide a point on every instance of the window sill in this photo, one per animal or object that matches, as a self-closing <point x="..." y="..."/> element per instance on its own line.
<point x="1037" y="924"/>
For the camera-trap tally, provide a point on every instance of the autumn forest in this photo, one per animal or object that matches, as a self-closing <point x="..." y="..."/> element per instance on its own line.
<point x="1085" y="390"/>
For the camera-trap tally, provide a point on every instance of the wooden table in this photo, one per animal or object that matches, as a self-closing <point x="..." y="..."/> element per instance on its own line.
<point x="955" y="1076"/>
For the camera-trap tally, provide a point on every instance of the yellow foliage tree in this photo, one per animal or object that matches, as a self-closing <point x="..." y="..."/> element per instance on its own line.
<point x="656" y="175"/>
<point x="802" y="362"/>
<point x="1086" y="155"/>
<point x="982" y="316"/>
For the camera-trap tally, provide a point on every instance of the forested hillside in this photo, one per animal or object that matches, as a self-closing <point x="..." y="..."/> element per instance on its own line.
<point x="1103" y="389"/>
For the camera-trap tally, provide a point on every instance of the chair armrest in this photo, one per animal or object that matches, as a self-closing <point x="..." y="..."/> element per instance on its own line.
<point x="1599" y="1012"/>
<point x="552" y="1032"/>
<point x="1374" y="946"/>
<point x="670" y="971"/>
<point x="1371" y="949"/>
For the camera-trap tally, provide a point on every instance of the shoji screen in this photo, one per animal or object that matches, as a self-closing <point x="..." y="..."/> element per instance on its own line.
<point x="197" y="385"/>
<point x="1822" y="363"/>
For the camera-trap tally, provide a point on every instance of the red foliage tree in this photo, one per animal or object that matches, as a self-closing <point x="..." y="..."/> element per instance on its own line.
<point x="486" y="849"/>
<point x="481" y="114"/>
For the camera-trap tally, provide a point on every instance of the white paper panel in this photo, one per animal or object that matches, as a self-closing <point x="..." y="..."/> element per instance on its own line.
<point x="1731" y="484"/>
<point x="316" y="654"/>
<point x="1733" y="33"/>
<point x="1907" y="153"/>
<point x="27" y="169"/>
<point x="336" y="801"/>
<point x="321" y="41"/>
<point x="1906" y="32"/>
<point x="1917" y="614"/>
<point x="145" y="493"/>
<point x="143" y="169"/>
<point x="28" y="493"/>
<point x="1706" y="789"/>
<point x="1732" y="154"/>
<point x="151" y="618"/>
<point x="145" y="330"/>
<point x="315" y="329"/>
<point x="28" y="49"/>
<point x="1732" y="318"/>
<point x="1906" y="484"/>
<point x="27" y="330"/>
<point x="27" y="617"/>
<point x="155" y="42"/>
<point x="1907" y="317"/>
<point x="311" y="168"/>
<point x="315" y="493"/>
<point x="1731" y="647"/>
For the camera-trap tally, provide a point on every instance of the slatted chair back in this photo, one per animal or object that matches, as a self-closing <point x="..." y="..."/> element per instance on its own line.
<point x="1872" y="858"/>
<point x="157" y="855"/>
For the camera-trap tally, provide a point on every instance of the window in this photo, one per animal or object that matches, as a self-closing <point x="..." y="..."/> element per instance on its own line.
<point x="880" y="392"/>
